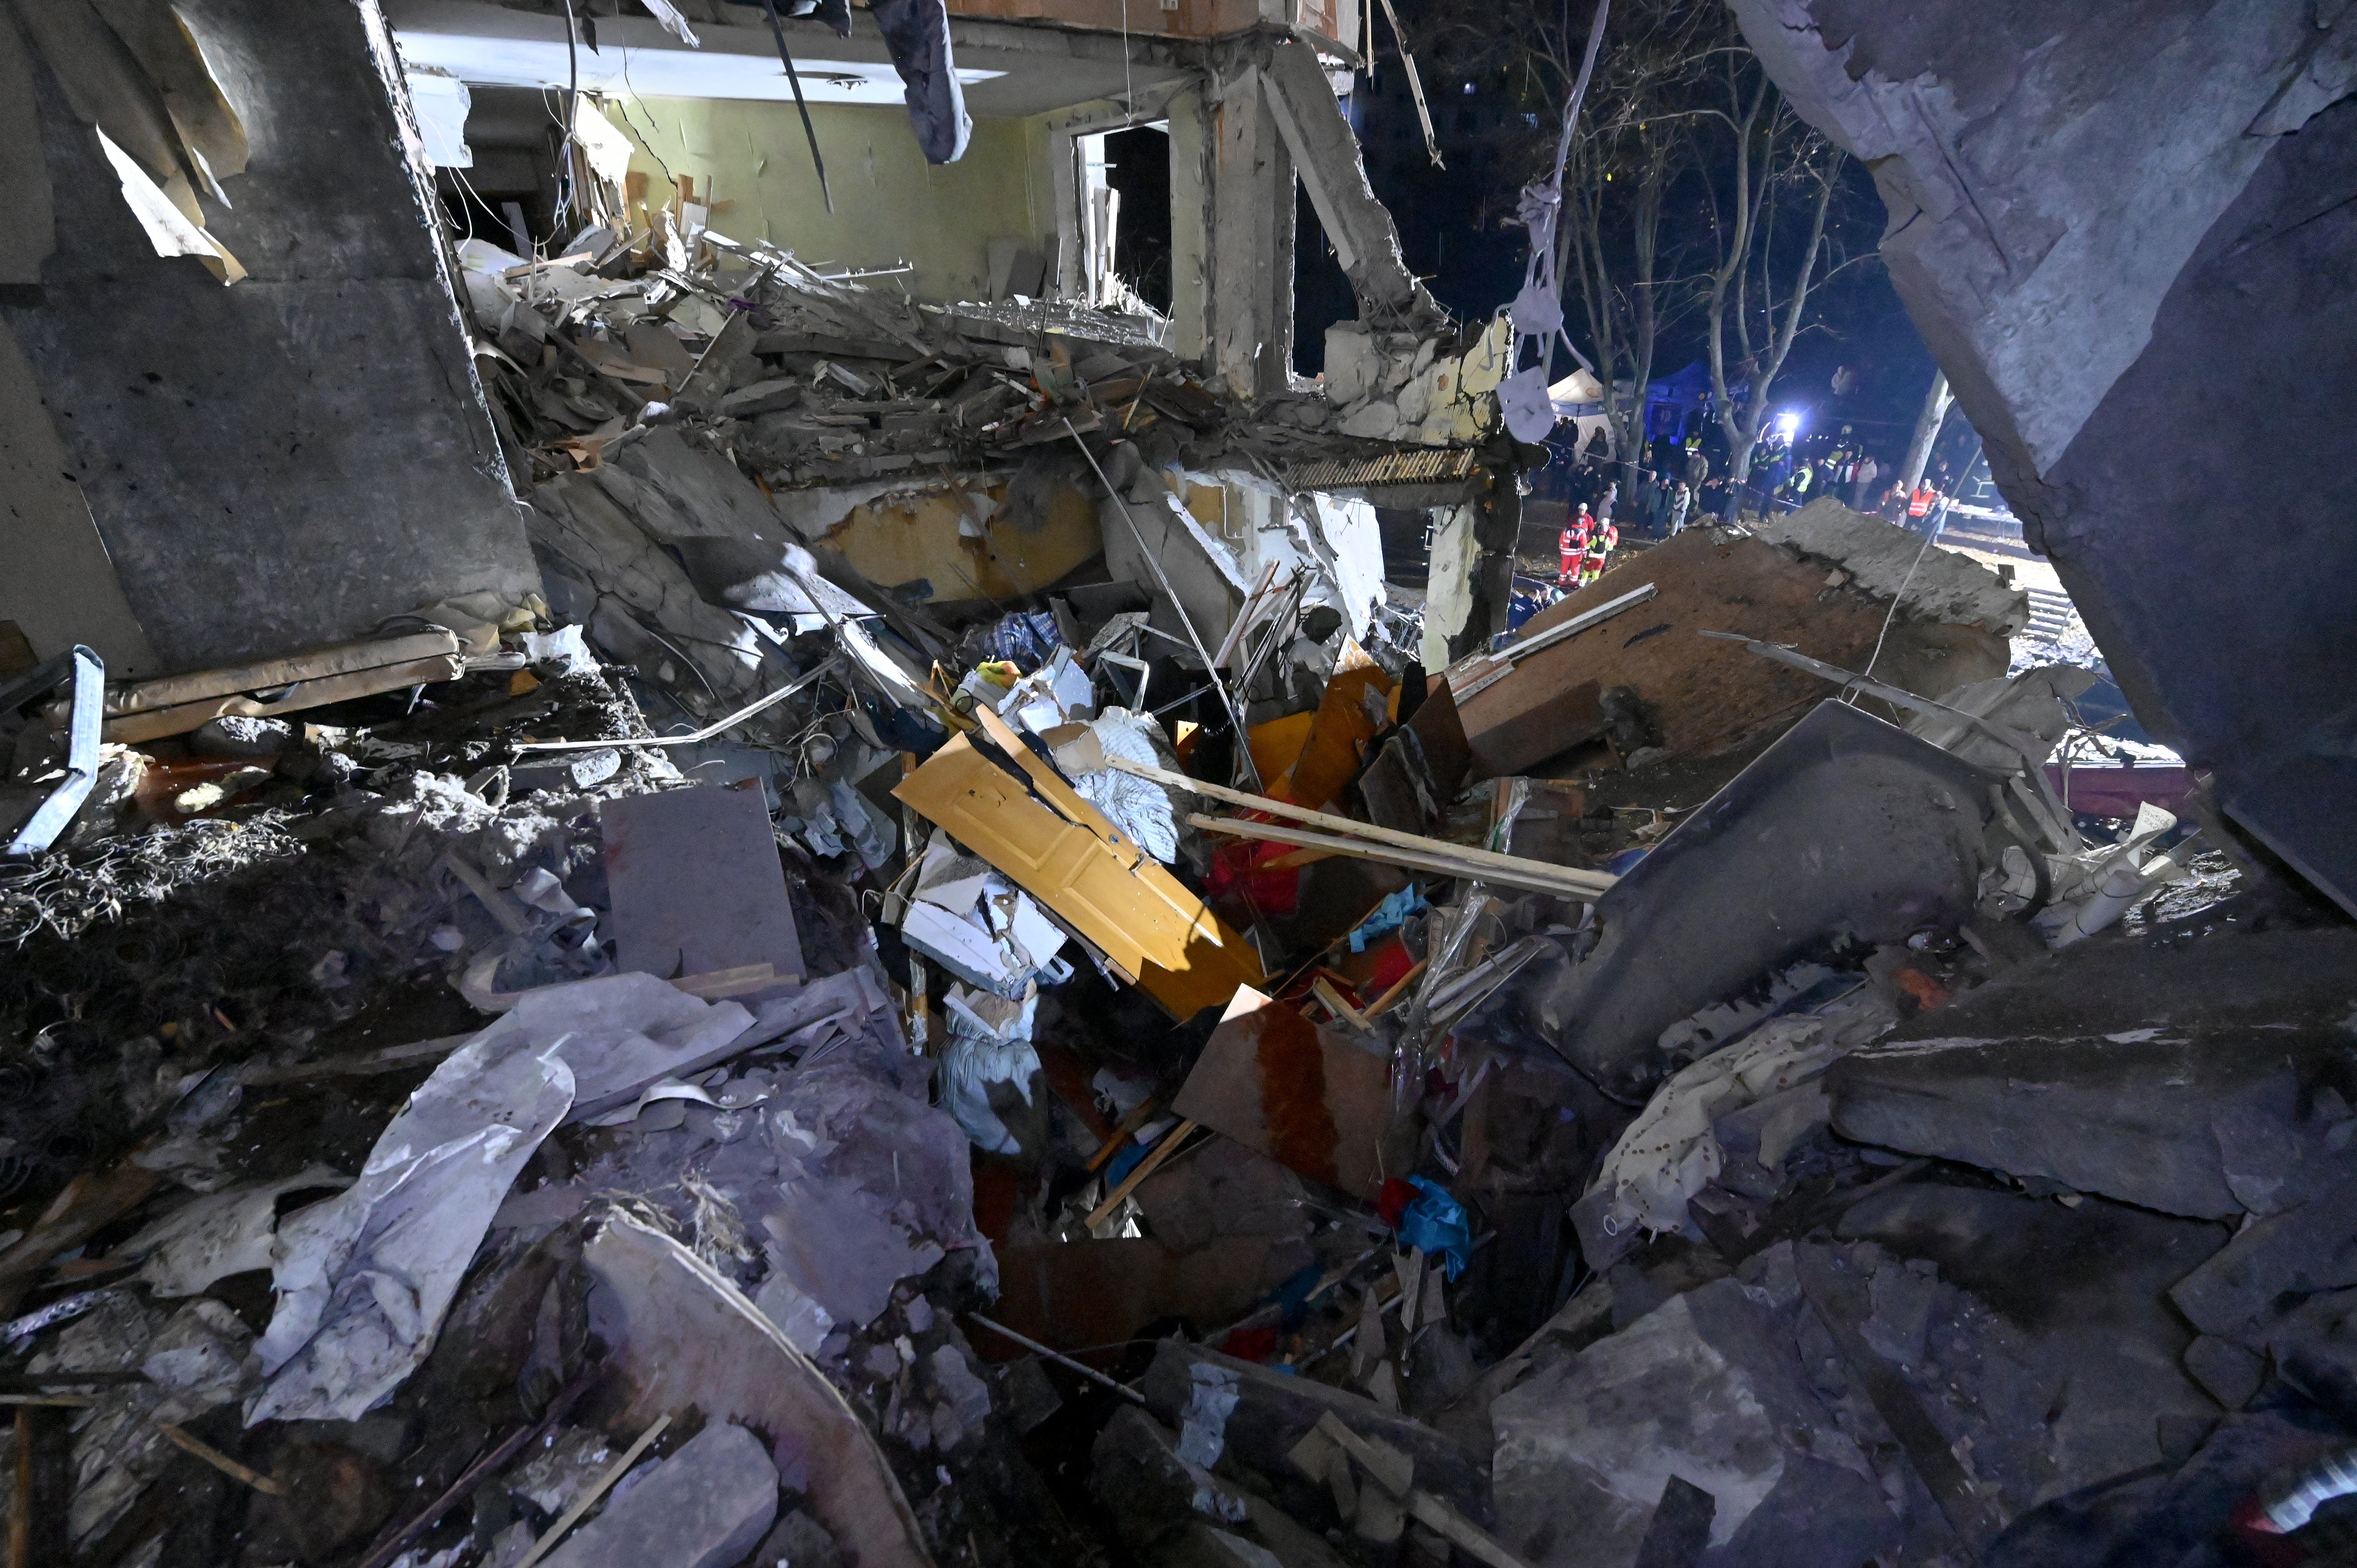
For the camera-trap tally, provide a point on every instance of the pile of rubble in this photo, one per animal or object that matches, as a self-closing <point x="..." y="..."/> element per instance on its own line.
<point x="1702" y="1081"/>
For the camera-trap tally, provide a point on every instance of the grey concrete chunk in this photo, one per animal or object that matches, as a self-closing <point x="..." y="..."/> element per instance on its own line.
<point x="1706" y="1389"/>
<point x="2185" y="1121"/>
<point x="2309" y="1249"/>
<point x="704" y="1507"/>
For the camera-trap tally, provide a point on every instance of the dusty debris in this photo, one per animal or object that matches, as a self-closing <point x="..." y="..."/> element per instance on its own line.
<point x="969" y="982"/>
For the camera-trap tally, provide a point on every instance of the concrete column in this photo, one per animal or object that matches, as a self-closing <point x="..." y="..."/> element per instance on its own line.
<point x="1250" y="288"/>
<point x="1497" y="529"/>
<point x="1190" y="224"/>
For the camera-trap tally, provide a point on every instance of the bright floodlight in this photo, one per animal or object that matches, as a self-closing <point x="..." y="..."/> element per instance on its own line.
<point x="1788" y="424"/>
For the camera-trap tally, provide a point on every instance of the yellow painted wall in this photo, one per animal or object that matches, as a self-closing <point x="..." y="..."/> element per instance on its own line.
<point x="890" y="204"/>
<point x="904" y="539"/>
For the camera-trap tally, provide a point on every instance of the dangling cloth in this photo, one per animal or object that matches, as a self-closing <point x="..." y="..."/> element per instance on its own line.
<point x="1537" y="311"/>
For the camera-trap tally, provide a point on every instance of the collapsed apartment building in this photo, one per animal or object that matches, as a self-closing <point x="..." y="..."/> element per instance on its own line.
<point x="739" y="863"/>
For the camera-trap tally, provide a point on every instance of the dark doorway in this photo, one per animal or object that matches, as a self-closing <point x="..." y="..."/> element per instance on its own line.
<point x="1322" y="295"/>
<point x="1137" y="164"/>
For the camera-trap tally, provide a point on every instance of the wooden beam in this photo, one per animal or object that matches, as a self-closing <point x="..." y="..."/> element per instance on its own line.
<point x="1531" y="876"/>
<point x="1145" y="1167"/>
<point x="1498" y="867"/>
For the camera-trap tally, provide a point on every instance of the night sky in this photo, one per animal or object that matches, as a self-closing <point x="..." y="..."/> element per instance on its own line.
<point x="1454" y="225"/>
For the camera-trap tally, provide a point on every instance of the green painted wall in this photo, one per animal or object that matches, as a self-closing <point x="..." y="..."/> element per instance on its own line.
<point x="890" y="205"/>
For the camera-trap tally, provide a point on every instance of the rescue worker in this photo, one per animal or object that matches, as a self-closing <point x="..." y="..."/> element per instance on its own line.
<point x="1573" y="546"/>
<point x="1920" y="504"/>
<point x="1592" y="564"/>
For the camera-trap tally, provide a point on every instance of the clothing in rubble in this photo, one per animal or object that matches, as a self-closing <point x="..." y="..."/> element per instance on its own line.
<point x="918" y="34"/>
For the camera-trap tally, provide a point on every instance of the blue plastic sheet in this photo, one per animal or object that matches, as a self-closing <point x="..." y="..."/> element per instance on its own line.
<point x="1388" y="916"/>
<point x="1436" y="1222"/>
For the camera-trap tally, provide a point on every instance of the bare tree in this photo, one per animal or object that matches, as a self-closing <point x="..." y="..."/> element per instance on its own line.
<point x="1628" y="151"/>
<point x="1608" y="245"/>
<point x="1776" y="166"/>
<point x="1690" y="187"/>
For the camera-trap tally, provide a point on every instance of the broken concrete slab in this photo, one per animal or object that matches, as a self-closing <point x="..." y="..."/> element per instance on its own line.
<point x="1273" y="1413"/>
<point x="375" y="481"/>
<point x="1326" y="155"/>
<point x="681" y="1335"/>
<point x="1172" y="1510"/>
<point x="1846" y="831"/>
<point x="1891" y="563"/>
<point x="2193" y="240"/>
<point x="1708" y="1388"/>
<point x="704" y="1507"/>
<point x="2296" y="1253"/>
<point x="2102" y="1355"/>
<point x="2192" y="1125"/>
<point x="2154" y="1082"/>
<point x="1694" y="697"/>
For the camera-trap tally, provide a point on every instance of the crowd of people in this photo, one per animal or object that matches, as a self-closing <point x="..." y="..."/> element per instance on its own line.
<point x="1673" y="485"/>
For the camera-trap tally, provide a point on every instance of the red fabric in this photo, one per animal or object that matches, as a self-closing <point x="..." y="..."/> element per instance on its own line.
<point x="1392" y="960"/>
<point x="1237" y="873"/>
<point x="1250" y="1344"/>
<point x="1392" y="1201"/>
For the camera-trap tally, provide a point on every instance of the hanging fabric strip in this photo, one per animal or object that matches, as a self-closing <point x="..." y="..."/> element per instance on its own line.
<point x="1537" y="310"/>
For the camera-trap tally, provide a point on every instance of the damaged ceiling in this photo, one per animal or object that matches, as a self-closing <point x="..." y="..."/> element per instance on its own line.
<point x="666" y="901"/>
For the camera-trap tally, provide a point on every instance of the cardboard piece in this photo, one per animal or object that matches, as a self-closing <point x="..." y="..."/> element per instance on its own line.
<point x="1307" y="1097"/>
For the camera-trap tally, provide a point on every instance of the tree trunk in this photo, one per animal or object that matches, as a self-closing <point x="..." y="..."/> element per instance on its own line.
<point x="1927" y="430"/>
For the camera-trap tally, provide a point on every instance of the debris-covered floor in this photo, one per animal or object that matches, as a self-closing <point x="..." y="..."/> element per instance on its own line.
<point x="970" y="981"/>
<point x="1611" y="1102"/>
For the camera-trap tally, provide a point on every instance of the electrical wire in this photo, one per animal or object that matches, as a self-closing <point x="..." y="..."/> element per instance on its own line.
<point x="1896" y="600"/>
<point x="572" y="117"/>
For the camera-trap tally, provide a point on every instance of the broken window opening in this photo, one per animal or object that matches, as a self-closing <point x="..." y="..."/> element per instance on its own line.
<point x="1322" y="293"/>
<point x="1124" y="223"/>
<point x="506" y="193"/>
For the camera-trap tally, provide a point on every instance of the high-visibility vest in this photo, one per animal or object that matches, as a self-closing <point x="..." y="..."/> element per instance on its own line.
<point x="1920" y="503"/>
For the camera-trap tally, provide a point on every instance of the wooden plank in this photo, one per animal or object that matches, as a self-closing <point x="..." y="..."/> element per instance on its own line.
<point x="1144" y="1169"/>
<point x="155" y="723"/>
<point x="344" y="659"/>
<point x="1593" y="882"/>
<point x="1528" y="875"/>
<point x="1309" y="1098"/>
